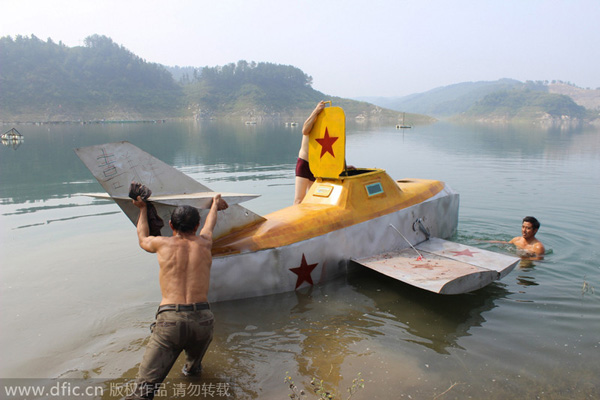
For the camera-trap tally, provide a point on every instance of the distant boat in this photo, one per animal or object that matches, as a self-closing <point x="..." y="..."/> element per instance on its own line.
<point x="291" y="124"/>
<point x="403" y="125"/>
<point x="12" y="134"/>
<point x="250" y="122"/>
<point x="12" y="138"/>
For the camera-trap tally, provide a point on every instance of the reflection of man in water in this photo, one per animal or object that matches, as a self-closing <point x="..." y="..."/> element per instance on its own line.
<point x="184" y="320"/>
<point x="527" y="241"/>
<point x="305" y="178"/>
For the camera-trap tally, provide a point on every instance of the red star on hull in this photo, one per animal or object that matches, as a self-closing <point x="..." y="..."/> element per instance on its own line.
<point x="465" y="252"/>
<point x="303" y="272"/>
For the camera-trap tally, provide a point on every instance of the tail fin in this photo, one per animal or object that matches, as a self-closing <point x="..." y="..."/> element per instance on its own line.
<point x="116" y="165"/>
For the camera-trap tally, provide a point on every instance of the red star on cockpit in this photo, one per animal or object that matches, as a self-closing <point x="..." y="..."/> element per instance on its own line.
<point x="327" y="143"/>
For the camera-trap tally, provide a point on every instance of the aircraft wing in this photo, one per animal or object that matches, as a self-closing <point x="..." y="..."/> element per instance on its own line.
<point x="201" y="200"/>
<point x="116" y="165"/>
<point x="445" y="267"/>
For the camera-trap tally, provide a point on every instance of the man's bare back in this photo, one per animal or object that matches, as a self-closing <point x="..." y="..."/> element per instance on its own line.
<point x="184" y="258"/>
<point x="185" y="262"/>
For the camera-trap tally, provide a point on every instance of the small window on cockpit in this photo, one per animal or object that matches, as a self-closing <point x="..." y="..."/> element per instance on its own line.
<point x="374" y="188"/>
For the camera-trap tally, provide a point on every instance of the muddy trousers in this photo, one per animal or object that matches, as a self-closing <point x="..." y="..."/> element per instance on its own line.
<point x="172" y="333"/>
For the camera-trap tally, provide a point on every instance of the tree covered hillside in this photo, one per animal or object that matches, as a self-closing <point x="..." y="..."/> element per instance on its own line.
<point x="45" y="81"/>
<point x="503" y="100"/>
<point x="448" y="100"/>
<point x="525" y="105"/>
<point x="251" y="88"/>
<point x="97" y="81"/>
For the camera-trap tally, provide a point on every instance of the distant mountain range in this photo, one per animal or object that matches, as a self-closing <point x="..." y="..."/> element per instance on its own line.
<point x="44" y="81"/>
<point x="502" y="100"/>
<point x="444" y="101"/>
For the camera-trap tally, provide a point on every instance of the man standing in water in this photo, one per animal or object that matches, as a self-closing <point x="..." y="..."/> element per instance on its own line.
<point x="184" y="320"/>
<point x="527" y="241"/>
<point x="305" y="178"/>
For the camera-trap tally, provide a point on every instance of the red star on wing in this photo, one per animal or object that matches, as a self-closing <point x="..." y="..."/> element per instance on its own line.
<point x="303" y="272"/>
<point x="465" y="252"/>
<point x="327" y="143"/>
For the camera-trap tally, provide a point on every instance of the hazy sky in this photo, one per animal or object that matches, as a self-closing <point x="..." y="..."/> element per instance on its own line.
<point x="350" y="48"/>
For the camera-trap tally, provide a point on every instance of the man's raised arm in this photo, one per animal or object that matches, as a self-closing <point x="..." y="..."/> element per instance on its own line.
<point x="143" y="229"/>
<point x="218" y="204"/>
<point x="310" y="121"/>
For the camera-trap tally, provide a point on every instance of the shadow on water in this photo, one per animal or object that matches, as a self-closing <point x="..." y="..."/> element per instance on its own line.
<point x="430" y="320"/>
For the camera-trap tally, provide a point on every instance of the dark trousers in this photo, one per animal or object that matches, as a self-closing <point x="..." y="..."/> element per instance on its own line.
<point x="173" y="332"/>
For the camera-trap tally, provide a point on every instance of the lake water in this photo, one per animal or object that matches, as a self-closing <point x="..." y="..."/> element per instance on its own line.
<point x="77" y="294"/>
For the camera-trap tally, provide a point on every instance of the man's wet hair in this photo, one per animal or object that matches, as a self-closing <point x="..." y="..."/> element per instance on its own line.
<point x="533" y="221"/>
<point x="185" y="219"/>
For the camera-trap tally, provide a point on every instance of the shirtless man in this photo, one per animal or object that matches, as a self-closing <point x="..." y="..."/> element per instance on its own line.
<point x="527" y="241"/>
<point x="184" y="320"/>
<point x="305" y="178"/>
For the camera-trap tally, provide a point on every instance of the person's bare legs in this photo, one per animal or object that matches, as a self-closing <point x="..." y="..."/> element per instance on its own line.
<point x="302" y="186"/>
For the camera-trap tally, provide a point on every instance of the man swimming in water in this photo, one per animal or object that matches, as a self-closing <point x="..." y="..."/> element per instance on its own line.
<point x="305" y="178"/>
<point x="527" y="241"/>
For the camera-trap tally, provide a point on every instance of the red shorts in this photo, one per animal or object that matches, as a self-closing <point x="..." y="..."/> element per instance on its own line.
<point x="303" y="170"/>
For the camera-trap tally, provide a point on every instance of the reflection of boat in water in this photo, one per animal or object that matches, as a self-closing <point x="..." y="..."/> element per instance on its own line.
<point x="428" y="320"/>
<point x="321" y="330"/>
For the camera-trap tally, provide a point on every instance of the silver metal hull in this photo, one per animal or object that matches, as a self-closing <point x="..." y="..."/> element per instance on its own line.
<point x="270" y="271"/>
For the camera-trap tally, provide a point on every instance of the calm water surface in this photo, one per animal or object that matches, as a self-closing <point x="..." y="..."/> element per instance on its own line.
<point x="77" y="294"/>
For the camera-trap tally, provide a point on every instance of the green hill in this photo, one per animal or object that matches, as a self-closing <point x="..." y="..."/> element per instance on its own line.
<point x="589" y="98"/>
<point x="525" y="105"/>
<point x="47" y="81"/>
<point x="250" y="89"/>
<point x="447" y="100"/>
<point x="504" y="100"/>
<point x="265" y="90"/>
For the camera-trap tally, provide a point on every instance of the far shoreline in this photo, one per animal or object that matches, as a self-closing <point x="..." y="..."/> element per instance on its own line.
<point x="89" y="122"/>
